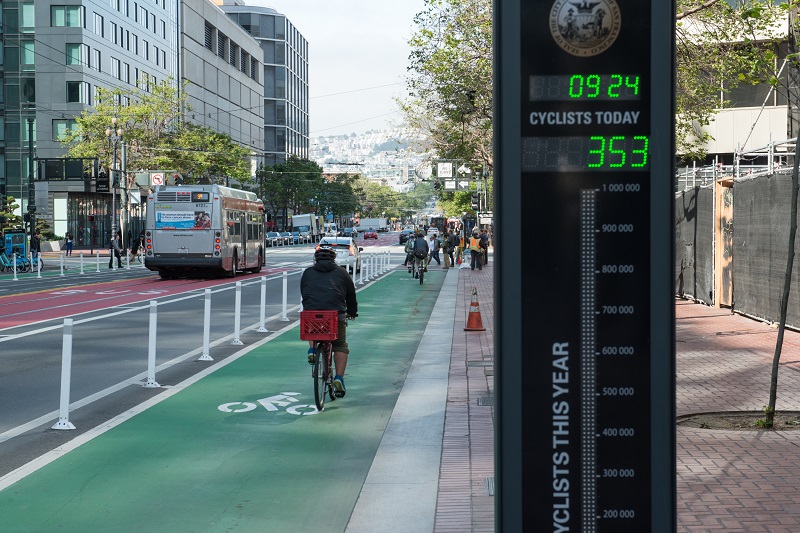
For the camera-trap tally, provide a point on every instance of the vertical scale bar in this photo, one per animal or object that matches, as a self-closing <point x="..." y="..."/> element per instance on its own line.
<point x="588" y="360"/>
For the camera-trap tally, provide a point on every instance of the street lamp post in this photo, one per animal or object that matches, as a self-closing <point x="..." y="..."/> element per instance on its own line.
<point x="114" y="135"/>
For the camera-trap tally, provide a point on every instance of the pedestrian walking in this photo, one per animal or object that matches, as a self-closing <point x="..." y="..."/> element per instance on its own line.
<point x="68" y="242"/>
<point x="475" y="250"/>
<point x="36" y="249"/>
<point x="433" y="250"/>
<point x="452" y="246"/>
<point x="115" y="251"/>
<point x="485" y="246"/>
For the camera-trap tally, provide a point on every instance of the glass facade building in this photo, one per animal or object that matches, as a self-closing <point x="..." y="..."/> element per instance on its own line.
<point x="286" y="130"/>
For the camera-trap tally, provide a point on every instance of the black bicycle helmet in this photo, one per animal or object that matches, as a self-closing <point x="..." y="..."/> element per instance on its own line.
<point x="324" y="254"/>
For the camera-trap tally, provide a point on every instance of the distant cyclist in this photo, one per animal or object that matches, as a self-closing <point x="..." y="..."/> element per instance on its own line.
<point x="328" y="287"/>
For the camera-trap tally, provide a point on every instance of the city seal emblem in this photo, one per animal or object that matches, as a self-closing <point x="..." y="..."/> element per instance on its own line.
<point x="585" y="28"/>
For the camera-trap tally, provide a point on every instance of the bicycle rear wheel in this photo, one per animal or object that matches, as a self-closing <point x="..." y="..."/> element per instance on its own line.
<point x="320" y="375"/>
<point x="421" y="275"/>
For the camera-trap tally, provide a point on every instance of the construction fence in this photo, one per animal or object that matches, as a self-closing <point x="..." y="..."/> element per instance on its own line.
<point x="731" y="244"/>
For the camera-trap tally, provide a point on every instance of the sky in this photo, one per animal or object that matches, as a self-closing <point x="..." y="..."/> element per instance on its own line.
<point x="358" y="56"/>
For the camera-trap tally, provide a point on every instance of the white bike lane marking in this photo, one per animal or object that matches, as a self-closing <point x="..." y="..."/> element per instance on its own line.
<point x="272" y="403"/>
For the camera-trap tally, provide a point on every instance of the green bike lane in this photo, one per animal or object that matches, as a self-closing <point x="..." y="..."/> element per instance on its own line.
<point x="242" y="448"/>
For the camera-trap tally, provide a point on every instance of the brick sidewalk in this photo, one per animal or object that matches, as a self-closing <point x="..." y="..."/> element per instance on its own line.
<point x="466" y="482"/>
<point x="734" y="480"/>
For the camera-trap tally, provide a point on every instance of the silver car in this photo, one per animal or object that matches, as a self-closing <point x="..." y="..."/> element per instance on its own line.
<point x="348" y="254"/>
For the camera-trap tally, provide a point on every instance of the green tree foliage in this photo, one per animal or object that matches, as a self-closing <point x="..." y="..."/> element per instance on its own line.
<point x="12" y="220"/>
<point x="450" y="79"/>
<point x="338" y="196"/>
<point x="720" y="45"/>
<point x="293" y="185"/>
<point x="155" y="135"/>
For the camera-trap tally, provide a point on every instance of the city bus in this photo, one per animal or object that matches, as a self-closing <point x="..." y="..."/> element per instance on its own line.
<point x="203" y="228"/>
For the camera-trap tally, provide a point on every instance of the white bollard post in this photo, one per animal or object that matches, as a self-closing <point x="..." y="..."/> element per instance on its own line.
<point x="285" y="318"/>
<point x="66" y="377"/>
<point x="127" y="260"/>
<point x="14" y="259"/>
<point x="61" y="262"/>
<point x="98" y="261"/>
<point x="151" y="347"/>
<point x="206" y="327"/>
<point x="82" y="272"/>
<point x="388" y="260"/>
<point x="263" y="312"/>
<point x="39" y="265"/>
<point x="361" y="273"/>
<point x="237" y="314"/>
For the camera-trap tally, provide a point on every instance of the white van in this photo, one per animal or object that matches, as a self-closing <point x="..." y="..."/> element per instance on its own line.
<point x="331" y="230"/>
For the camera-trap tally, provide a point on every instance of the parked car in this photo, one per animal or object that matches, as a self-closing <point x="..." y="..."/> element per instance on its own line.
<point x="370" y="233"/>
<point x="405" y="235"/>
<point x="273" y="239"/>
<point x="348" y="255"/>
<point x="350" y="232"/>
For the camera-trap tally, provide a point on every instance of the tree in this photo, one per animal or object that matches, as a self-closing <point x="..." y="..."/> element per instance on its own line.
<point x="720" y="45"/>
<point x="450" y="79"/>
<point x="294" y="185"/>
<point x="155" y="135"/>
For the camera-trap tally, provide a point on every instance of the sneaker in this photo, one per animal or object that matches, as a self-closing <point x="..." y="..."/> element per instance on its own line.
<point x="312" y="357"/>
<point x="338" y="387"/>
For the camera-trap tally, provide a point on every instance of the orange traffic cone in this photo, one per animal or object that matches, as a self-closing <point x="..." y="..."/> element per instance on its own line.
<point x="474" y="321"/>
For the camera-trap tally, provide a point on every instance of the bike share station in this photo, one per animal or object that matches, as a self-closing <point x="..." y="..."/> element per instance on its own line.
<point x="585" y="385"/>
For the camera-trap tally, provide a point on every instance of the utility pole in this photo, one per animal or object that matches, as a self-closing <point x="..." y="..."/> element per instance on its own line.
<point x="31" y="185"/>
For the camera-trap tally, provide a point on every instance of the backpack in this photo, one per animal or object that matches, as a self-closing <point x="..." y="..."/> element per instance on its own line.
<point x="420" y="248"/>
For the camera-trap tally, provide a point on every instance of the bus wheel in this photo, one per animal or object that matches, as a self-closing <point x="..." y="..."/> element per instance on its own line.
<point x="234" y="266"/>
<point x="256" y="269"/>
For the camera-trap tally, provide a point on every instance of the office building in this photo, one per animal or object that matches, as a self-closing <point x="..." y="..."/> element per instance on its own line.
<point x="285" y="57"/>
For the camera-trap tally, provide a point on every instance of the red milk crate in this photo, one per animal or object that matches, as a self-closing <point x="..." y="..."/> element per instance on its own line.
<point x="319" y="325"/>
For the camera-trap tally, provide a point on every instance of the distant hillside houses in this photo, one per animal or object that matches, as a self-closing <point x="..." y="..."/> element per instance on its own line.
<point x="387" y="156"/>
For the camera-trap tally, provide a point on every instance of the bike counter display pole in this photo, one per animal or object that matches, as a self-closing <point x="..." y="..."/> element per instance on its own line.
<point x="585" y="391"/>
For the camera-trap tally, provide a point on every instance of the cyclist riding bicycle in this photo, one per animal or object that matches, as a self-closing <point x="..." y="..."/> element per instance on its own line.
<point x="328" y="287"/>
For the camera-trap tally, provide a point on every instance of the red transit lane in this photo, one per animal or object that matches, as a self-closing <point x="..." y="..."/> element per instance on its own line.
<point x="48" y="304"/>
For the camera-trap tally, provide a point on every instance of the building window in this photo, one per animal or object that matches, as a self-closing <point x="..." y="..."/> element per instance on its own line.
<point x="74" y="54"/>
<point x="126" y="73"/>
<point x="61" y="127"/>
<point x="78" y="92"/>
<point x="27" y="21"/>
<point x="96" y="60"/>
<point x="99" y="26"/>
<point x="253" y="71"/>
<point x="157" y="55"/>
<point x="135" y="44"/>
<point x="163" y="29"/>
<point x="145" y="49"/>
<point x="114" y="32"/>
<point x="115" y="68"/>
<point x="221" y="42"/>
<point x="66" y="16"/>
<point x="234" y="54"/>
<point x="244" y="62"/>
<point x="209" y="37"/>
<point x="27" y="55"/>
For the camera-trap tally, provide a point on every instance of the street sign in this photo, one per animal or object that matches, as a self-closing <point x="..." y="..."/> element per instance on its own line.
<point x="584" y="135"/>
<point x="456" y="185"/>
<point x="444" y="169"/>
<point x="156" y="179"/>
<point x="450" y="185"/>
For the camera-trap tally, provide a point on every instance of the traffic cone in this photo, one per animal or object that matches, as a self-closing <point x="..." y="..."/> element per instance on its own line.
<point x="474" y="321"/>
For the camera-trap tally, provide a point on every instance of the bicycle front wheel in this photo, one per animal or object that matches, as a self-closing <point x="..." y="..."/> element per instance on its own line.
<point x="421" y="275"/>
<point x="320" y="375"/>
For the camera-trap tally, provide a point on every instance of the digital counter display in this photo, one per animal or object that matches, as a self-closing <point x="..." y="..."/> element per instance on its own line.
<point x="589" y="86"/>
<point x="599" y="153"/>
<point x="587" y="159"/>
<point x="200" y="197"/>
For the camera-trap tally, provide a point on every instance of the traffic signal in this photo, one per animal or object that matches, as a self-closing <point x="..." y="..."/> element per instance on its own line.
<point x="475" y="200"/>
<point x="437" y="185"/>
<point x="90" y="218"/>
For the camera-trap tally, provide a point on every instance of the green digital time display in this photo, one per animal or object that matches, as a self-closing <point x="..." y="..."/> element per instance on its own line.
<point x="589" y="86"/>
<point x="597" y="153"/>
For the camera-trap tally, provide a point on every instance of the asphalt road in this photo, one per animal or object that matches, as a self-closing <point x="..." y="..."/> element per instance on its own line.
<point x="110" y="310"/>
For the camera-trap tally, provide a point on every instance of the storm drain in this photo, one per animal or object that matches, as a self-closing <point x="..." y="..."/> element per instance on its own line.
<point x="486" y="400"/>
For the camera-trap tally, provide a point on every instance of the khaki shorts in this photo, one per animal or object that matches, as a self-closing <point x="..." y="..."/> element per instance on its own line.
<point x="340" y="344"/>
